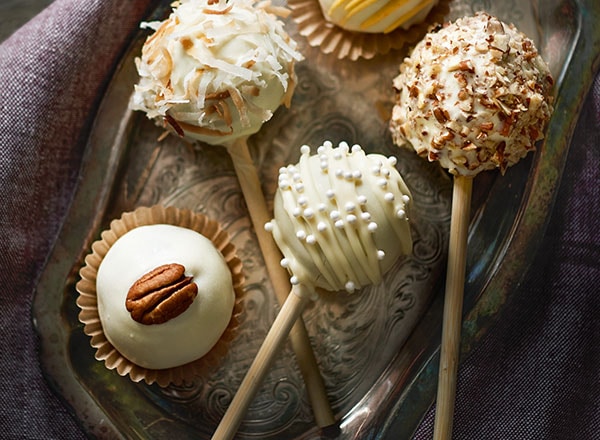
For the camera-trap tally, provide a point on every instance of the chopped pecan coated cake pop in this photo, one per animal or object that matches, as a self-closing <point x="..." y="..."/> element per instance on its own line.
<point x="474" y="95"/>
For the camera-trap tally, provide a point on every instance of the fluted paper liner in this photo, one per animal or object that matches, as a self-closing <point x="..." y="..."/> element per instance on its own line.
<point x="332" y="39"/>
<point x="87" y="300"/>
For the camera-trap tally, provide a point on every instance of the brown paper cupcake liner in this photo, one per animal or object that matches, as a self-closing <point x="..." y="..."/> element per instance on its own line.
<point x="87" y="300"/>
<point x="332" y="39"/>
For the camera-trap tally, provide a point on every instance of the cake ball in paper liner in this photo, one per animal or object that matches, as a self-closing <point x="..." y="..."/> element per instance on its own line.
<point x="376" y="16"/>
<point x="161" y="295"/>
<point x="363" y="29"/>
<point x="214" y="70"/>
<point x="474" y="95"/>
<point x="341" y="217"/>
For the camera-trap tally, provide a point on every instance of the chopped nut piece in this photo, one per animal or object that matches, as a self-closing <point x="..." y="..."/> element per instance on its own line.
<point x="439" y="115"/>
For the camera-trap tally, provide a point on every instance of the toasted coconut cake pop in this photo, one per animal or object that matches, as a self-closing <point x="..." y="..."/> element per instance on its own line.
<point x="341" y="217"/>
<point x="474" y="95"/>
<point x="215" y="70"/>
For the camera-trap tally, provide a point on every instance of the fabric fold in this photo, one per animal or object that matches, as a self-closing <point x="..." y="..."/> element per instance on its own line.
<point x="53" y="71"/>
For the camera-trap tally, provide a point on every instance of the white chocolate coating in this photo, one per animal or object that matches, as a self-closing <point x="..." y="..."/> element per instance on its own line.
<point x="376" y="16"/>
<point x="475" y="95"/>
<point x="341" y="217"/>
<point x="186" y="337"/>
<point x="216" y="71"/>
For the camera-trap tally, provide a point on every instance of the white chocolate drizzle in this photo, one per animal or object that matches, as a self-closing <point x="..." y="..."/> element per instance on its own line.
<point x="343" y="229"/>
<point x="376" y="15"/>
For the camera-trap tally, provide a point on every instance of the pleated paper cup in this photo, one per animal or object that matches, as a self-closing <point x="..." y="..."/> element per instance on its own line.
<point x="87" y="299"/>
<point x="341" y="43"/>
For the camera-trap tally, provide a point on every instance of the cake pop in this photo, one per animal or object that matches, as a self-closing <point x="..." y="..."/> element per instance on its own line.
<point x="215" y="71"/>
<point x="376" y="15"/>
<point x="341" y="221"/>
<point x="474" y="95"/>
<point x="341" y="217"/>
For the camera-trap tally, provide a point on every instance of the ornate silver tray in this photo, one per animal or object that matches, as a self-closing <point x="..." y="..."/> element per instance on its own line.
<point x="377" y="350"/>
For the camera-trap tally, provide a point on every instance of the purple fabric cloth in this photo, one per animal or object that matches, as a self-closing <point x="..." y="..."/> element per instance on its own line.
<point x="52" y="71"/>
<point x="536" y="374"/>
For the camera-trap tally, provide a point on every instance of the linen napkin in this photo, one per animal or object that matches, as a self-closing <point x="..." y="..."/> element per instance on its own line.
<point x="53" y="71"/>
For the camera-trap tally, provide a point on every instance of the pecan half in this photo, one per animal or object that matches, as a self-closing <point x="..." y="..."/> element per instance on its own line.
<point x="161" y="294"/>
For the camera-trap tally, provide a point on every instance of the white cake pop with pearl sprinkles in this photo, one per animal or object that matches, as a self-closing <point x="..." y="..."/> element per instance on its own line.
<point x="341" y="217"/>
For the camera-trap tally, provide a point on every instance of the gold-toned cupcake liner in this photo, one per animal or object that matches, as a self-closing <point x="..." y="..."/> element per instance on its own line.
<point x="341" y="43"/>
<point x="87" y="300"/>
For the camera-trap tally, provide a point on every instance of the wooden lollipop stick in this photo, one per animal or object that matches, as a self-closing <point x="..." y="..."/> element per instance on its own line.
<point x="453" y="302"/>
<point x="288" y="315"/>
<point x="257" y="208"/>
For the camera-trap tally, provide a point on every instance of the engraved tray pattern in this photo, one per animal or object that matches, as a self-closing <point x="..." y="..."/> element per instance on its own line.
<point x="377" y="350"/>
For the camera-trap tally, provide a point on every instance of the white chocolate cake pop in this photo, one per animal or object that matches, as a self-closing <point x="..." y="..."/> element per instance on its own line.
<point x="376" y="16"/>
<point x="341" y="217"/>
<point x="474" y="95"/>
<point x="182" y="335"/>
<point x="214" y="70"/>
